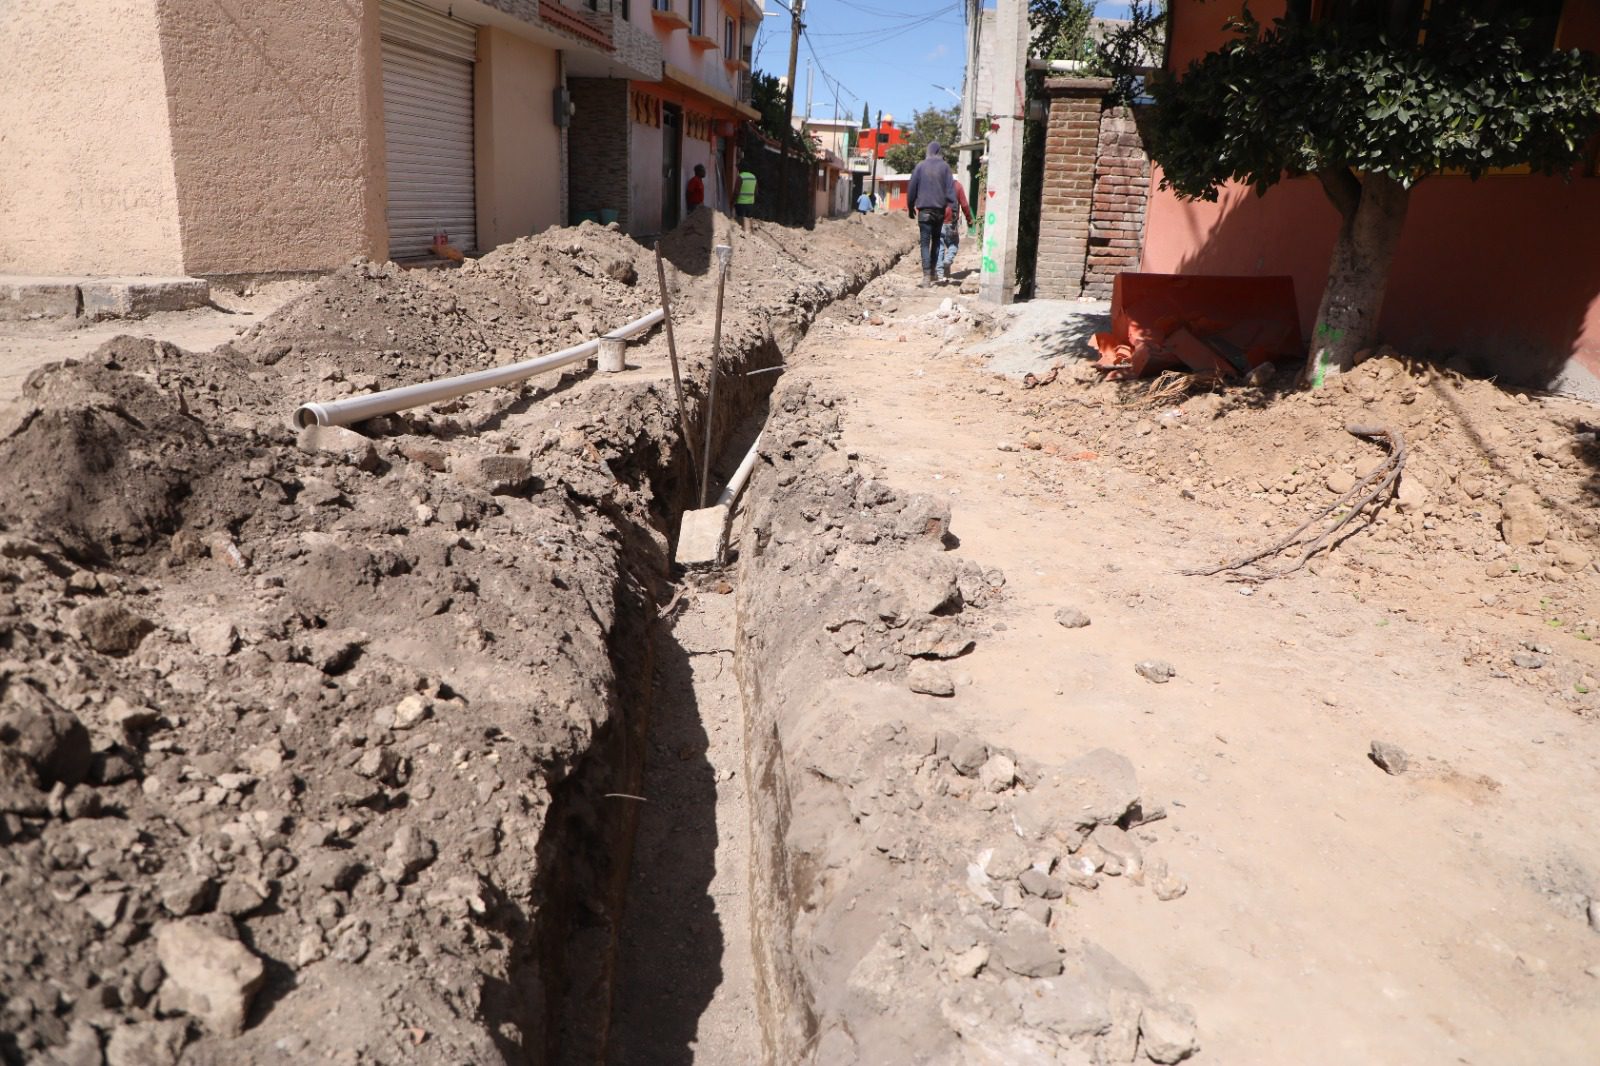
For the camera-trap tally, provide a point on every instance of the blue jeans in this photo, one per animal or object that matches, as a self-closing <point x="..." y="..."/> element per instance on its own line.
<point x="949" y="241"/>
<point x="930" y="220"/>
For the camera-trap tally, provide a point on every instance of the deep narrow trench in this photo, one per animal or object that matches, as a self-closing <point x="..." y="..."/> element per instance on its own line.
<point x="685" y="989"/>
<point x="646" y="953"/>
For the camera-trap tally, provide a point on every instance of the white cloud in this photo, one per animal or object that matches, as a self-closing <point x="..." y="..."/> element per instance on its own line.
<point x="938" y="53"/>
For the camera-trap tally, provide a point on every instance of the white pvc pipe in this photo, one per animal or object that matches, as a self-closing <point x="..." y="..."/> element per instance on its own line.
<point x="1058" y="66"/>
<point x="740" y="476"/>
<point x="387" y="402"/>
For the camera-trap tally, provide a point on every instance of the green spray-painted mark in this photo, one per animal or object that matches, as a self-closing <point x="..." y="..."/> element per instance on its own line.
<point x="1329" y="335"/>
<point x="990" y="266"/>
<point x="990" y="218"/>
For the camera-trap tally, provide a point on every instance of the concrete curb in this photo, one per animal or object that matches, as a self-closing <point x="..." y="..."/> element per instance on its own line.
<point x="25" y="299"/>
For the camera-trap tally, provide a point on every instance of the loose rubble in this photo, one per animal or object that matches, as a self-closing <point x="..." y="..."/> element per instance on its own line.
<point x="292" y="722"/>
<point x="918" y="895"/>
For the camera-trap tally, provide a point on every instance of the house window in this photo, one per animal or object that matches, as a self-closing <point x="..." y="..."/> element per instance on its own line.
<point x="660" y="5"/>
<point x="696" y="17"/>
<point x="730" y="38"/>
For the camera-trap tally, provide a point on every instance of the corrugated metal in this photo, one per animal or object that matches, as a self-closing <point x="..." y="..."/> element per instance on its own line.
<point x="427" y="126"/>
<point x="427" y="30"/>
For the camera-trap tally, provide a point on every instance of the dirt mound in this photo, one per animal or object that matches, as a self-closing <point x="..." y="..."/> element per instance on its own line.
<point x="1495" y="507"/>
<point x="96" y="459"/>
<point x="308" y="741"/>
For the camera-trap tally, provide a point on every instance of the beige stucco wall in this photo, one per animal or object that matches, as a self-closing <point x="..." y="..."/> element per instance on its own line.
<point x="86" y="175"/>
<point x="276" y="132"/>
<point x="518" y="143"/>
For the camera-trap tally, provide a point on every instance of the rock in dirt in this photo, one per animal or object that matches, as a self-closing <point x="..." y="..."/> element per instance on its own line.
<point x="1341" y="481"/>
<point x="1037" y="883"/>
<point x="1522" y="518"/>
<point x="19" y="790"/>
<point x="110" y="628"/>
<point x="1572" y="559"/>
<point x="146" y="1043"/>
<point x="998" y="773"/>
<point x="1593" y="914"/>
<point x="54" y="742"/>
<point x="924" y="516"/>
<point x="209" y="976"/>
<point x="1097" y="788"/>
<point x="1156" y="670"/>
<point x="1072" y="618"/>
<point x="347" y="444"/>
<point x="410" y="852"/>
<point x="969" y="755"/>
<point x="1527" y="660"/>
<point x="499" y="475"/>
<point x="1390" y="758"/>
<point x="81" y="1049"/>
<point x="929" y="679"/>
<point x="216" y="638"/>
<point x="1028" y="951"/>
<point x="1167" y="1032"/>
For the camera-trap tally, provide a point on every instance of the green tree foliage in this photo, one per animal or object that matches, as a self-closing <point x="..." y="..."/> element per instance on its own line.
<point x="1060" y="28"/>
<point x="1126" y="53"/>
<point x="940" y="124"/>
<point x="766" y="96"/>
<point x="1371" y="102"/>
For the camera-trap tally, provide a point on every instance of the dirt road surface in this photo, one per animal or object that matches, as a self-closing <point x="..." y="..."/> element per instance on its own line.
<point x="1335" y="913"/>
<point x="407" y="744"/>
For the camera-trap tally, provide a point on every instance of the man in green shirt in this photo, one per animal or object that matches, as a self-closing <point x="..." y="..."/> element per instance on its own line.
<point x="745" y="200"/>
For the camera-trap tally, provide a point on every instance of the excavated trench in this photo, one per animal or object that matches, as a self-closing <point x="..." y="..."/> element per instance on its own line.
<point x="641" y="947"/>
<point x="390" y="717"/>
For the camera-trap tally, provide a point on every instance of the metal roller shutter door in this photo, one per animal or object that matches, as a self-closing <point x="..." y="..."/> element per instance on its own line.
<point x="427" y="127"/>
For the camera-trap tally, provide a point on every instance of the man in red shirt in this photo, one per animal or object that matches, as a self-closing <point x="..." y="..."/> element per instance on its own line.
<point x="695" y="195"/>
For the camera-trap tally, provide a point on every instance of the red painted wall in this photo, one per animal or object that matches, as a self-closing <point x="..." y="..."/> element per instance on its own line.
<point x="1505" y="269"/>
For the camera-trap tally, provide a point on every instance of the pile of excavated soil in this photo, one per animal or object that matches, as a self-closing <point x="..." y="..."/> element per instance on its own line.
<point x="305" y="741"/>
<point x="1495" y="514"/>
<point x="914" y="885"/>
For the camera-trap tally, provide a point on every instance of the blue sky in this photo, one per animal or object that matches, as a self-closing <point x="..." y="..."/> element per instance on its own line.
<point x="893" y="55"/>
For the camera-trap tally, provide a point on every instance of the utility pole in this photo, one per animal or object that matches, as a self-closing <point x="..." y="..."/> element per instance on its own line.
<point x="969" y="89"/>
<point x="997" y="278"/>
<point x="796" y="27"/>
<point x="877" y="149"/>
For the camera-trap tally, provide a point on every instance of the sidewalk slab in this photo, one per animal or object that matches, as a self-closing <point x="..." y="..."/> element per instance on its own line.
<point x="24" y="298"/>
<point x="137" y="297"/>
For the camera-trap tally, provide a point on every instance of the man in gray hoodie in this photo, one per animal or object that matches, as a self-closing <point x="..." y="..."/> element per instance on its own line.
<point x="931" y="190"/>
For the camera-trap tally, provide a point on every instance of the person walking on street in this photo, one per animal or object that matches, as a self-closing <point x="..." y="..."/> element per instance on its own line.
<point x="864" y="204"/>
<point x="930" y="191"/>
<point x="950" y="236"/>
<point x="695" y="194"/>
<point x="745" y="202"/>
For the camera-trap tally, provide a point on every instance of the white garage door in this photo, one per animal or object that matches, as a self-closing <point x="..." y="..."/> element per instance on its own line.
<point x="427" y="127"/>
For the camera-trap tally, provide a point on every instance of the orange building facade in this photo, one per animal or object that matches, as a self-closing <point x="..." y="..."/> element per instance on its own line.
<point x="1504" y="270"/>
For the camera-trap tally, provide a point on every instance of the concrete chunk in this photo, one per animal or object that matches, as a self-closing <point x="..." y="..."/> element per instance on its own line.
<point x="209" y="976"/>
<point x="702" y="537"/>
<point x="24" y="299"/>
<point x="137" y="297"/>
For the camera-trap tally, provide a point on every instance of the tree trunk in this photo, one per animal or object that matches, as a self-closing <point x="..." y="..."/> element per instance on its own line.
<point x="1374" y="212"/>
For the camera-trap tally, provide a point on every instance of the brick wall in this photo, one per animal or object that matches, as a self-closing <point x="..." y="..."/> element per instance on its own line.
<point x="597" y="147"/>
<point x="1072" y="140"/>
<point x="1121" y="194"/>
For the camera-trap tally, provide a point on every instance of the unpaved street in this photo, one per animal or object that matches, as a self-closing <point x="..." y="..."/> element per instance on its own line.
<point x="408" y="742"/>
<point x="1334" y="913"/>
